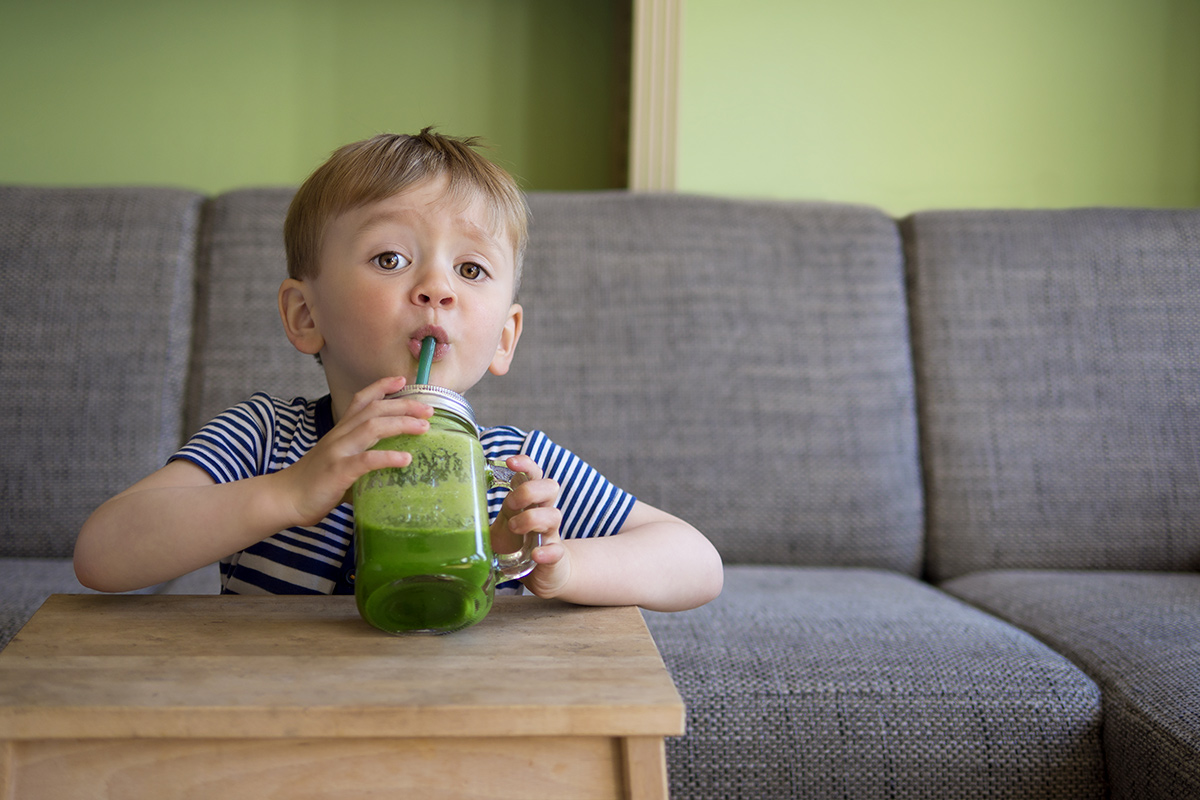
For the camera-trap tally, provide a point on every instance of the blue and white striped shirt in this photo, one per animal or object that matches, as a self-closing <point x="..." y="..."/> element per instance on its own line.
<point x="265" y="434"/>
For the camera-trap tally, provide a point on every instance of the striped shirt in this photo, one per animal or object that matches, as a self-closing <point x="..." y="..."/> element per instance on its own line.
<point x="265" y="434"/>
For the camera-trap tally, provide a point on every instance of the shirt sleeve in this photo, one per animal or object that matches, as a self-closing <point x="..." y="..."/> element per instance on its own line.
<point x="234" y="444"/>
<point x="591" y="505"/>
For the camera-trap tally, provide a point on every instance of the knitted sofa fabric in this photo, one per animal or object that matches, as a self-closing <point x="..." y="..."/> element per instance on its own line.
<point x="95" y="328"/>
<point x="792" y="356"/>
<point x="690" y="347"/>
<point x="1058" y="360"/>
<point x="872" y="685"/>
<point x="240" y="344"/>
<point x="1135" y="634"/>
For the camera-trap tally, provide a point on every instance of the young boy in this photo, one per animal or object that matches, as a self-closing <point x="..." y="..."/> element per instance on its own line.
<point x="393" y="239"/>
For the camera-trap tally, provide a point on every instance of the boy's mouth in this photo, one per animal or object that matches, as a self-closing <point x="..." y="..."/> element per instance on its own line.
<point x="439" y="351"/>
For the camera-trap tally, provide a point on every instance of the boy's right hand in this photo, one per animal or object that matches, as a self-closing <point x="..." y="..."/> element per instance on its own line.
<point x="321" y="479"/>
<point x="178" y="519"/>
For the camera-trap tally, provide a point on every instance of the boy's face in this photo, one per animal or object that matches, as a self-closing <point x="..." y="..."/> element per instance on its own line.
<point x="395" y="271"/>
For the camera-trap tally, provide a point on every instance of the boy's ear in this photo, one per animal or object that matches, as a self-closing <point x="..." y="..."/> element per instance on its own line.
<point x="298" y="322"/>
<point x="508" y="340"/>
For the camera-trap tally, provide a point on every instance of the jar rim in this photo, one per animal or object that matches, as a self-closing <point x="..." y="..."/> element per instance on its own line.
<point x="441" y="398"/>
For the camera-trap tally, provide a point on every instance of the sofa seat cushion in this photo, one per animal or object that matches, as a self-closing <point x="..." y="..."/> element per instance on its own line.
<point x="1138" y="635"/>
<point x="824" y="683"/>
<point x="27" y="582"/>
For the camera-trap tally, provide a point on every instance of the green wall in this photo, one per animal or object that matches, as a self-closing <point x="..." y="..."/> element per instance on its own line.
<point x="224" y="93"/>
<point x="929" y="103"/>
<point x="943" y="103"/>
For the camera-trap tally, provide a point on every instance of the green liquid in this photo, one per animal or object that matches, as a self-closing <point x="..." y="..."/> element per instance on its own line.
<point x="430" y="581"/>
<point x="424" y="562"/>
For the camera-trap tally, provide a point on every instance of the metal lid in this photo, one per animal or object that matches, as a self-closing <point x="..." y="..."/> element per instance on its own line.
<point x="440" y="397"/>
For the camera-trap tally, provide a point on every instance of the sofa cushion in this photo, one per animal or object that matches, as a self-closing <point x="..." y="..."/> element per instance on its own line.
<point x="1058" y="360"/>
<point x="95" y="325"/>
<point x="742" y="364"/>
<point x="827" y="683"/>
<point x="240" y="344"/>
<point x="1138" y="636"/>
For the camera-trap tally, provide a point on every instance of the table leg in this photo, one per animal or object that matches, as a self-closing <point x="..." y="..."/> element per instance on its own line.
<point x="6" y="769"/>
<point x="645" y="767"/>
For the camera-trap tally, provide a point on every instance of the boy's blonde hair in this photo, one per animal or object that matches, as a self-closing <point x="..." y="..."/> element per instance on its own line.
<point x="387" y="164"/>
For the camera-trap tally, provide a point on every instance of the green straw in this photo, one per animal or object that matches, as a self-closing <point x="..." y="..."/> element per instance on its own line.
<point x="426" y="362"/>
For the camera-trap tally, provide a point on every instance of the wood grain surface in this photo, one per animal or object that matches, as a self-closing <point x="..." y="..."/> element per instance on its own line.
<point x="295" y="666"/>
<point x="176" y="697"/>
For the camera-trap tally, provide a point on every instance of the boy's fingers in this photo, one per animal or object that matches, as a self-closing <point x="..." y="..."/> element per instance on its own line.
<point x="550" y="553"/>
<point x="383" y="459"/>
<point x="531" y="494"/>
<point x="539" y="519"/>
<point x="526" y="466"/>
<point x="378" y="394"/>
<point x="361" y="437"/>
<point x="376" y="391"/>
<point x="543" y="491"/>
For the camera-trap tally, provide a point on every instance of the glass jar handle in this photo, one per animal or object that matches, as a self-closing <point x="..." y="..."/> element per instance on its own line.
<point x="519" y="564"/>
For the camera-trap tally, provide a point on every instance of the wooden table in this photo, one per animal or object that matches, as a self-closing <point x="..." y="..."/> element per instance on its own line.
<point x="260" y="697"/>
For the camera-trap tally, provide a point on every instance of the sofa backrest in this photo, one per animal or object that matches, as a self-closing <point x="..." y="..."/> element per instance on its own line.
<point x="240" y="347"/>
<point x="1058" y="375"/>
<point x="95" y="329"/>
<point x="744" y="365"/>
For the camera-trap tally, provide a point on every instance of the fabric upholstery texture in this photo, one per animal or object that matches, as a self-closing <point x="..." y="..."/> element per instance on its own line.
<point x="95" y="330"/>
<point x="789" y="372"/>
<point x="827" y="683"/>
<point x="1058" y="360"/>
<point x="1135" y="634"/>
<point x="240" y="344"/>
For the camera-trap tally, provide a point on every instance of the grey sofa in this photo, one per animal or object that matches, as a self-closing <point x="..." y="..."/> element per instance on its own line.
<point x="952" y="462"/>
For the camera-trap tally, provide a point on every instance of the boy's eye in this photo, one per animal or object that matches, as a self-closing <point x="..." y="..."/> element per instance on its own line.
<point x="470" y="271"/>
<point x="390" y="261"/>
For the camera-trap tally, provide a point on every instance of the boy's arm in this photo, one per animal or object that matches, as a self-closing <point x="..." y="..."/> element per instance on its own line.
<point x="656" y="561"/>
<point x="170" y="523"/>
<point x="178" y="519"/>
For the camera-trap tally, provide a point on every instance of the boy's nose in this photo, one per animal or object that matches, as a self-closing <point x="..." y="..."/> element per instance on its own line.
<point x="434" y="290"/>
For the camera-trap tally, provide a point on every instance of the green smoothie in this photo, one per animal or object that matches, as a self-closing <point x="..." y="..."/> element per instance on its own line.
<point x="424" y="562"/>
<point x="422" y="580"/>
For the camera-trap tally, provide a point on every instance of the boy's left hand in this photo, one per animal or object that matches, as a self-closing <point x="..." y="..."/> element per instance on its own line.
<point x="529" y="508"/>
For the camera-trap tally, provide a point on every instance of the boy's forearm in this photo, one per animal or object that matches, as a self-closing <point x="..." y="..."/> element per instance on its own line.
<point x="660" y="566"/>
<point x="149" y="535"/>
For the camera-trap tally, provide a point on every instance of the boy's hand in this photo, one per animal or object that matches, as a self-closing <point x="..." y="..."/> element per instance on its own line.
<point x="529" y="508"/>
<point x="320" y="480"/>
